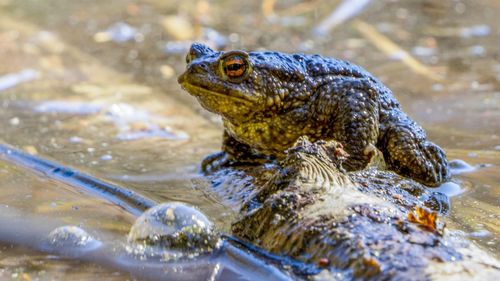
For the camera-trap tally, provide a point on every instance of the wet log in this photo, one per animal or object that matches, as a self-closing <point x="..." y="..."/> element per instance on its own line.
<point x="370" y="224"/>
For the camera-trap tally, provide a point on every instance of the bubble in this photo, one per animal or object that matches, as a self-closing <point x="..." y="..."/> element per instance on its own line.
<point x="70" y="241"/>
<point x="172" y="231"/>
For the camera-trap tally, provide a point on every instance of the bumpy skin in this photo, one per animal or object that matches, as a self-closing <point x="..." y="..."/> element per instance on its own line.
<point x="285" y="96"/>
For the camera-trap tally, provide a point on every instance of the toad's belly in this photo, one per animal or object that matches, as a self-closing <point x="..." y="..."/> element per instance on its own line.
<point x="271" y="139"/>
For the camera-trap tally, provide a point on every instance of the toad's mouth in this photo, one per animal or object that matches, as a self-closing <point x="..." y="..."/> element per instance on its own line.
<point x="200" y="91"/>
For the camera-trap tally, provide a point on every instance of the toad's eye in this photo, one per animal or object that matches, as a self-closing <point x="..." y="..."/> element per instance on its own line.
<point x="234" y="66"/>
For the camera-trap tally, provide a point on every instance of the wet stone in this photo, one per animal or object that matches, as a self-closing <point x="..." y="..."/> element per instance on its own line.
<point x="172" y="231"/>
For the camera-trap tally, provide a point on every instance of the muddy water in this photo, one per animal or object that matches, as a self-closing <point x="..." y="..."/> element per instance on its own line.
<point x="92" y="85"/>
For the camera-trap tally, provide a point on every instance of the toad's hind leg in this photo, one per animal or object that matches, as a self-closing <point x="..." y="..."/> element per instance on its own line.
<point x="355" y="123"/>
<point x="408" y="152"/>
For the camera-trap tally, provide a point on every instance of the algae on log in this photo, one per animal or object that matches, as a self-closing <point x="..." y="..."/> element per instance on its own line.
<point x="369" y="224"/>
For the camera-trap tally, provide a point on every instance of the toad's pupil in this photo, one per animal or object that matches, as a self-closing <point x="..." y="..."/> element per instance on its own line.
<point x="235" y="67"/>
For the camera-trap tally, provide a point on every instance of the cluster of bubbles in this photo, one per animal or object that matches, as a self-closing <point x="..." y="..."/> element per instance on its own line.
<point x="166" y="232"/>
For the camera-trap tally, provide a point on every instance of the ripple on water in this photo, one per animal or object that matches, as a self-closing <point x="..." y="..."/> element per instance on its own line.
<point x="450" y="189"/>
<point x="459" y="166"/>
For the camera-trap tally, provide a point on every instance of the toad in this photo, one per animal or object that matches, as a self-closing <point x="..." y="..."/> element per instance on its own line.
<point x="267" y="100"/>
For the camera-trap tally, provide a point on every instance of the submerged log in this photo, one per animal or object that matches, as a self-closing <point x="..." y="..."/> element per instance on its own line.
<point x="370" y="224"/>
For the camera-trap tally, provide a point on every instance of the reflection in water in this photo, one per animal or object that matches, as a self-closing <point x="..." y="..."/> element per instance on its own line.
<point x="164" y="233"/>
<point x="126" y="199"/>
<point x="11" y="80"/>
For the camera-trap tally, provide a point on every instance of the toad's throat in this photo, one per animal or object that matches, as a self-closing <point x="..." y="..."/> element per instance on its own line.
<point x="200" y="91"/>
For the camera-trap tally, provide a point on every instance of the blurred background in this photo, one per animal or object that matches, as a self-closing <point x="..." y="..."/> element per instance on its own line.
<point x="92" y="85"/>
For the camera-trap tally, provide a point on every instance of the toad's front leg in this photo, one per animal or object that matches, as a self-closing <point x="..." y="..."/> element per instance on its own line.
<point x="233" y="153"/>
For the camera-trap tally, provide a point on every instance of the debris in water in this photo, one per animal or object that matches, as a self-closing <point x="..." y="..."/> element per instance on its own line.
<point x="14" y="121"/>
<point x="137" y="124"/>
<point x="213" y="38"/>
<point x="68" y="107"/>
<point x="344" y="11"/>
<point x="177" y="47"/>
<point x="120" y="32"/>
<point x="11" y="80"/>
<point x="423" y="51"/>
<point x="437" y="87"/>
<point x="477" y="50"/>
<point x="472" y="154"/>
<point x="300" y="8"/>
<point x="50" y="42"/>
<point x="208" y="36"/>
<point x="30" y="149"/>
<point x="167" y="71"/>
<point x="75" y="139"/>
<point x="393" y="50"/>
<point x="426" y="219"/>
<point x="475" y="31"/>
<point x="483" y="233"/>
<point x="152" y="132"/>
<point x="106" y="157"/>
<point x="481" y="30"/>
<point x="132" y="123"/>
<point x="268" y="8"/>
<point x="178" y="27"/>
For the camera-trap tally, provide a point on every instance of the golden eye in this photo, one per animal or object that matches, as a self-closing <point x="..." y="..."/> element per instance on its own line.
<point x="234" y="66"/>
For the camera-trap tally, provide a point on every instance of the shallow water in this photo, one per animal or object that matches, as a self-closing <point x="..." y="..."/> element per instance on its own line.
<point x="105" y="101"/>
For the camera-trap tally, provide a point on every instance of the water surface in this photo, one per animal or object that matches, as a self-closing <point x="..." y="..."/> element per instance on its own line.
<point x="92" y="85"/>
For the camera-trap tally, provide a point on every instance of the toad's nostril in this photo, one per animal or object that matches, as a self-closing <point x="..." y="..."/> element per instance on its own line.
<point x="198" y="67"/>
<point x="194" y="68"/>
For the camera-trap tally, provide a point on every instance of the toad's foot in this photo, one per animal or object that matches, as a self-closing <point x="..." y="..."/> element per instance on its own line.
<point x="418" y="159"/>
<point x="215" y="161"/>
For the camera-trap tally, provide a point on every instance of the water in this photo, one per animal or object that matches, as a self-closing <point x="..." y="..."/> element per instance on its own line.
<point x="113" y="109"/>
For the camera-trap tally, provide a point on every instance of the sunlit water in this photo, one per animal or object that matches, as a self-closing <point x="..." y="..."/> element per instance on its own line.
<point x="103" y="98"/>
